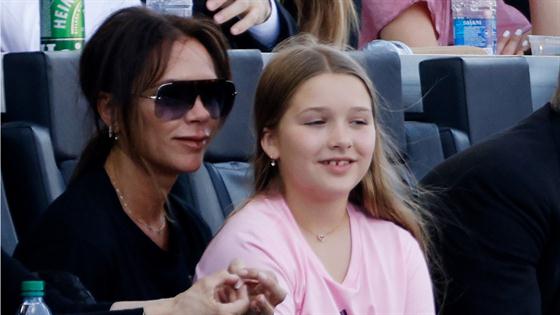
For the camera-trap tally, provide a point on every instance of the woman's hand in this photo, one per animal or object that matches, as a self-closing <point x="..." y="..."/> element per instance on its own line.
<point x="512" y="43"/>
<point x="250" y="12"/>
<point x="264" y="291"/>
<point x="202" y="298"/>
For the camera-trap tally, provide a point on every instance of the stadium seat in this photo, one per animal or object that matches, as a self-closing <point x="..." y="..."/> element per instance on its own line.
<point x="543" y="71"/>
<point x="225" y="180"/>
<point x="478" y="96"/>
<point x="30" y="172"/>
<point x="424" y="147"/>
<point x="50" y="126"/>
<point x="9" y="236"/>
<point x="47" y="129"/>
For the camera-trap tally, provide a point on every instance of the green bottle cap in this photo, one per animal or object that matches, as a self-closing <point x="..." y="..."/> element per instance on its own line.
<point x="32" y="288"/>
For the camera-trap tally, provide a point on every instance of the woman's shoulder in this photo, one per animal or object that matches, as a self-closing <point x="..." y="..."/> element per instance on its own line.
<point x="188" y="220"/>
<point x="73" y="221"/>
<point x="83" y="202"/>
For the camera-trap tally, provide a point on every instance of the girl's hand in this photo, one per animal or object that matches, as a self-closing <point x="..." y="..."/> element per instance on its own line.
<point x="264" y="291"/>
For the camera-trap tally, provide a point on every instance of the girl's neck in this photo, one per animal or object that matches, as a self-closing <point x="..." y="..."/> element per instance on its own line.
<point x="145" y="195"/>
<point x="318" y="215"/>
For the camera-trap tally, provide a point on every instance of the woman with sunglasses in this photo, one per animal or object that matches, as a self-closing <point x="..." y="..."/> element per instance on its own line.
<point x="159" y="89"/>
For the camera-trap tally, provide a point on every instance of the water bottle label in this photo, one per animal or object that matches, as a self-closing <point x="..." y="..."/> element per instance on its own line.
<point x="478" y="32"/>
<point x="62" y="24"/>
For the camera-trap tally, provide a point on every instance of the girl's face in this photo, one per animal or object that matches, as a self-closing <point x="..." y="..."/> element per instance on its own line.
<point x="324" y="143"/>
<point x="177" y="144"/>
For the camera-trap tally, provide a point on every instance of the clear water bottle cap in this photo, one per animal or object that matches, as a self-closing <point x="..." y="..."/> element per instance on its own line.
<point x="181" y="8"/>
<point x="33" y="288"/>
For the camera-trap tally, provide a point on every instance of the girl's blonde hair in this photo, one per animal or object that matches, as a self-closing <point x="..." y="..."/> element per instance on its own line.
<point x="331" y="21"/>
<point x="383" y="192"/>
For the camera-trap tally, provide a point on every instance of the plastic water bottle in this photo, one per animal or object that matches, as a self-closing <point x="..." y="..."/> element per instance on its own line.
<point x="176" y="7"/>
<point x="32" y="293"/>
<point x="62" y="25"/>
<point x="474" y="23"/>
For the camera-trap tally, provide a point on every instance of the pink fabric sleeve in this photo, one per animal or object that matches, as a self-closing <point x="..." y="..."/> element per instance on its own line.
<point x="510" y="19"/>
<point x="234" y="242"/>
<point x="376" y="14"/>
<point x="419" y="292"/>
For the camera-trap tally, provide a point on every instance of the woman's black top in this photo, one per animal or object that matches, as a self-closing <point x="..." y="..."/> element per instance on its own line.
<point x="86" y="232"/>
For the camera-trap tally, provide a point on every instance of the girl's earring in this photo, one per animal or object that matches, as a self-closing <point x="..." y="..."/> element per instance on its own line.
<point x="273" y="163"/>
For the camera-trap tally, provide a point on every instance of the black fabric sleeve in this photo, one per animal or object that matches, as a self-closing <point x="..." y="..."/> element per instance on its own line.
<point x="13" y="273"/>
<point x="489" y="247"/>
<point x="55" y="246"/>
<point x="287" y="26"/>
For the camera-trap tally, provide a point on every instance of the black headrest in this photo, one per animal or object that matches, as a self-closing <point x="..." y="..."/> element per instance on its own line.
<point x="235" y="141"/>
<point x="477" y="95"/>
<point x="383" y="67"/>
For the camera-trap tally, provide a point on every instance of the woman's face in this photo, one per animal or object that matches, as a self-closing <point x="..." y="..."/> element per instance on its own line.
<point x="178" y="145"/>
<point x="325" y="141"/>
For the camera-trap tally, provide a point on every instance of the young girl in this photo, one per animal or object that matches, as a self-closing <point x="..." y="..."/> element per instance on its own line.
<point x="330" y="216"/>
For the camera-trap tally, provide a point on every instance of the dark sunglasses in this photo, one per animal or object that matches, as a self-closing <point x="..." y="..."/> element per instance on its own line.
<point x="174" y="99"/>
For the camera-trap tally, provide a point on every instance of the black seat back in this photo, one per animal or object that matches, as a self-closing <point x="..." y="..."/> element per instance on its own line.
<point x="9" y="236"/>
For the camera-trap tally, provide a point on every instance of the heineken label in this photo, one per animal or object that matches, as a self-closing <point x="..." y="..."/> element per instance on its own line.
<point x="62" y="24"/>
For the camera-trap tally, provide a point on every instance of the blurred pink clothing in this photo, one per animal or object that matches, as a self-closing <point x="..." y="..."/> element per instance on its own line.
<point x="376" y="14"/>
<point x="387" y="273"/>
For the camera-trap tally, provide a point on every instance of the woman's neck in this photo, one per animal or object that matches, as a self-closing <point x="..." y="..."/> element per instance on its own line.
<point x="144" y="194"/>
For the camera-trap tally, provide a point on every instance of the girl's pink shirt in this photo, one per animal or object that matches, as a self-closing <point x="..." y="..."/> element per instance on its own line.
<point x="387" y="273"/>
<point x="376" y="14"/>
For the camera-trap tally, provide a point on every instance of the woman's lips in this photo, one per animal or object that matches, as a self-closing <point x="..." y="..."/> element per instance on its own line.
<point x="194" y="143"/>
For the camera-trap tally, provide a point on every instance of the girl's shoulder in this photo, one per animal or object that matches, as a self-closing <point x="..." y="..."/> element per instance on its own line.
<point x="263" y="219"/>
<point x="380" y="229"/>
<point x="262" y="208"/>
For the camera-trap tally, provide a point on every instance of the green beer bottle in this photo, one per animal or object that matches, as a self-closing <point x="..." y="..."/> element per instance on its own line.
<point x="62" y="25"/>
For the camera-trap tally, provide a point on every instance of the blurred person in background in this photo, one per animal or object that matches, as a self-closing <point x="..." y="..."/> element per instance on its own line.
<point x="335" y="22"/>
<point x="498" y="216"/>
<point x="259" y="24"/>
<point x="430" y="23"/>
<point x="246" y="23"/>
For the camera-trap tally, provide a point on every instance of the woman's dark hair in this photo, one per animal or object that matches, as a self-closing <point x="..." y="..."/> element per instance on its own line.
<point x="126" y="56"/>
